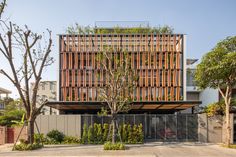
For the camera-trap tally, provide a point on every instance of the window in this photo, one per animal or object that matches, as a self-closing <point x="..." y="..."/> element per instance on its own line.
<point x="51" y="86"/>
<point x="43" y="86"/>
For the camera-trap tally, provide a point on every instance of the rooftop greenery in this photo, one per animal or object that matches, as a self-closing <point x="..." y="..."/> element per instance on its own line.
<point x="78" y="29"/>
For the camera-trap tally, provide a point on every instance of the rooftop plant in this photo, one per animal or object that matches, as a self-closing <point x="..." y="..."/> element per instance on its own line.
<point x="78" y="29"/>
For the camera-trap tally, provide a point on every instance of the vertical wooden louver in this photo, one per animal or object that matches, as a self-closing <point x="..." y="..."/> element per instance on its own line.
<point x="156" y="58"/>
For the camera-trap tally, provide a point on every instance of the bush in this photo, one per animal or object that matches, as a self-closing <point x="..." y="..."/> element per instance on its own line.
<point x="90" y="134"/>
<point x="105" y="131"/>
<point x="98" y="134"/>
<point x="71" y="140"/>
<point x="24" y="145"/>
<point x="116" y="146"/>
<point x="85" y="135"/>
<point x="140" y="136"/>
<point x="56" y="136"/>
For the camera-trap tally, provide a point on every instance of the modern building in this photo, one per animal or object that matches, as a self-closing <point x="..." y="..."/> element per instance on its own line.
<point x="47" y="90"/>
<point x="158" y="59"/>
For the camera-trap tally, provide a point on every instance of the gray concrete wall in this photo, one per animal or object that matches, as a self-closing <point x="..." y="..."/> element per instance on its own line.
<point x="211" y="129"/>
<point x="70" y="125"/>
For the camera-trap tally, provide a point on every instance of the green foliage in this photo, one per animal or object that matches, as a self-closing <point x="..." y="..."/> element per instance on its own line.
<point x="103" y="112"/>
<point x="218" y="67"/>
<point x="90" y="134"/>
<point x="78" y="29"/>
<point x="97" y="134"/>
<point x="39" y="138"/>
<point x="217" y="108"/>
<point x="23" y="146"/>
<point x="115" y="146"/>
<point x="12" y="114"/>
<point x="71" y="140"/>
<point x="105" y="131"/>
<point x="130" y="135"/>
<point x="124" y="133"/>
<point x="213" y="109"/>
<point x="11" y="117"/>
<point x="56" y="136"/>
<point x="85" y="135"/>
<point x="140" y="135"/>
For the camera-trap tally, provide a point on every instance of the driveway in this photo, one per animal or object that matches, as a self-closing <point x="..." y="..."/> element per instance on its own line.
<point x="148" y="150"/>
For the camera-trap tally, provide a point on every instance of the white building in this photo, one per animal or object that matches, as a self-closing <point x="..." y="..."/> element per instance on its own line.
<point x="207" y="96"/>
<point x="47" y="90"/>
<point x="3" y="93"/>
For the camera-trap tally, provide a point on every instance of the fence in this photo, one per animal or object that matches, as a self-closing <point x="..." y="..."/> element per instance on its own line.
<point x="182" y="127"/>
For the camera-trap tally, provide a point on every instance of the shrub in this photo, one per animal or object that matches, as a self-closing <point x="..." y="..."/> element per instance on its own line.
<point x="140" y="135"/>
<point x="105" y="131"/>
<point x="24" y="145"/>
<point x="130" y="136"/>
<point x="98" y="139"/>
<point x="90" y="134"/>
<point x="85" y="135"/>
<point x="134" y="134"/>
<point x="56" y="136"/>
<point x="39" y="138"/>
<point x="124" y="134"/>
<point x="116" y="146"/>
<point x="71" y="140"/>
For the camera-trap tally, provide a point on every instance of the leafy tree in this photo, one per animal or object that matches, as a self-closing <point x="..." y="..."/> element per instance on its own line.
<point x="12" y="114"/>
<point x="218" y="70"/>
<point x="33" y="51"/>
<point x="119" y="85"/>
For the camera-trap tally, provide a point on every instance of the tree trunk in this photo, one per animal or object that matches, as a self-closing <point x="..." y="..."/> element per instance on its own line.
<point x="228" y="127"/>
<point x="31" y="131"/>
<point x="113" y="130"/>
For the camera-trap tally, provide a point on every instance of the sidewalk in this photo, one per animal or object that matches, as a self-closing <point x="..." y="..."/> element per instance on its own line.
<point x="154" y="149"/>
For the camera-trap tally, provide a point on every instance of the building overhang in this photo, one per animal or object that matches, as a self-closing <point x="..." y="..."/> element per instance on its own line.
<point x="144" y="105"/>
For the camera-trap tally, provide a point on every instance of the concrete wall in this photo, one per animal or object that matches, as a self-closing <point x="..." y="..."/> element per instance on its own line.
<point x="3" y="135"/>
<point x="68" y="124"/>
<point x="211" y="129"/>
<point x="16" y="131"/>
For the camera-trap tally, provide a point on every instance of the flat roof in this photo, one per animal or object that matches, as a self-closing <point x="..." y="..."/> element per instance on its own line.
<point x="4" y="91"/>
<point x="144" y="105"/>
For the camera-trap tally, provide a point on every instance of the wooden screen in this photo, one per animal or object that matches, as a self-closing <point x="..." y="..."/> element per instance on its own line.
<point x="157" y="59"/>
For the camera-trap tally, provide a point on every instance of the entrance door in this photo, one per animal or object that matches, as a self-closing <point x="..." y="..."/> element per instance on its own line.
<point x="10" y="135"/>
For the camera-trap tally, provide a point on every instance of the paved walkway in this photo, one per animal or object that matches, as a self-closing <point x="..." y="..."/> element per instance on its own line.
<point x="147" y="150"/>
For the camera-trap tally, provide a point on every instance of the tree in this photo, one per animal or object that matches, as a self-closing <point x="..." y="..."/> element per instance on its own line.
<point x="120" y="80"/>
<point x="218" y="108"/>
<point x="21" y="44"/>
<point x="12" y="113"/>
<point x="218" y="70"/>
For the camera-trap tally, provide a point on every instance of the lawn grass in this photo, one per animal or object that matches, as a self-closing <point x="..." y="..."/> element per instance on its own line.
<point x="233" y="146"/>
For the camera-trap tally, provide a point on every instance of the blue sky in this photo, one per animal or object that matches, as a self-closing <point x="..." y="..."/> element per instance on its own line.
<point x="204" y="21"/>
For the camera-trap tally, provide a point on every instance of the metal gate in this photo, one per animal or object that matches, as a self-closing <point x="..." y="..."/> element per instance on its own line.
<point x="156" y="127"/>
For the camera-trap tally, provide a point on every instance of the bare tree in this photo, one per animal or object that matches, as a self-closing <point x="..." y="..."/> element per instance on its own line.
<point x="17" y="44"/>
<point x="3" y="5"/>
<point x="120" y="80"/>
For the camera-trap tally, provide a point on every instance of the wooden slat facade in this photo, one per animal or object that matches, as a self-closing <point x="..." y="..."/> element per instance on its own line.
<point x="156" y="58"/>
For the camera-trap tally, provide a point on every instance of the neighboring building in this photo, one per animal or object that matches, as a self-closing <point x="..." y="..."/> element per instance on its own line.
<point x="3" y="93"/>
<point x="206" y="96"/>
<point x="158" y="59"/>
<point x="47" y="90"/>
